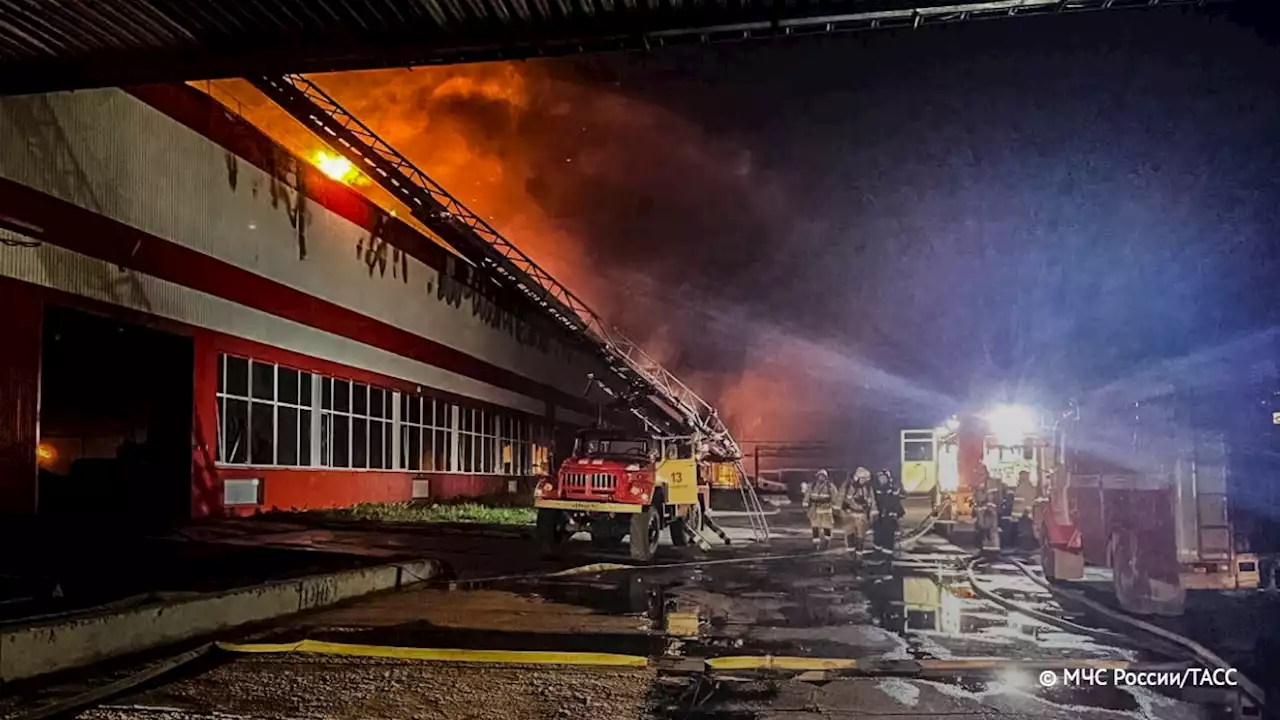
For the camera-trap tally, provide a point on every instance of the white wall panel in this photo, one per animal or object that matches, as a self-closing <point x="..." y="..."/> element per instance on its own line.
<point x="111" y="153"/>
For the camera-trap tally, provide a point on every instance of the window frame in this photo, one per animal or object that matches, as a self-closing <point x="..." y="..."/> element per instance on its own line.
<point x="386" y="421"/>
<point x="453" y="437"/>
<point x="223" y="395"/>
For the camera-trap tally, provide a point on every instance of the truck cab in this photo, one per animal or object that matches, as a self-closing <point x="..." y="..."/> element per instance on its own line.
<point x="617" y="486"/>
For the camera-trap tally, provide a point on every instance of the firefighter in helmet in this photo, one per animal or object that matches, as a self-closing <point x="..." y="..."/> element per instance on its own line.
<point x="986" y="509"/>
<point x="819" y="505"/>
<point x="888" y="491"/>
<point x="857" y="500"/>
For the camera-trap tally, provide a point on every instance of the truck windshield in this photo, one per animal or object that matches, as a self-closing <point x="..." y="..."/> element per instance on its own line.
<point x="597" y="447"/>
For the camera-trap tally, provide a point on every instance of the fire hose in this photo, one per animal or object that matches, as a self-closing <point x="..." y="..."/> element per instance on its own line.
<point x="1201" y="653"/>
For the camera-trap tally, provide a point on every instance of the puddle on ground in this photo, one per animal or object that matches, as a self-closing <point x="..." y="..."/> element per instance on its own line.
<point x="916" y="606"/>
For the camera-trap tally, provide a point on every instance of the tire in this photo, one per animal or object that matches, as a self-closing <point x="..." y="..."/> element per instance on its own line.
<point x="550" y="530"/>
<point x="646" y="526"/>
<point x="680" y="527"/>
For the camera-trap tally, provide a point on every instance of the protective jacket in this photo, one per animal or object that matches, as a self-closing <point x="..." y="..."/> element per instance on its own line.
<point x="857" y="498"/>
<point x="820" y="495"/>
<point x="888" y="492"/>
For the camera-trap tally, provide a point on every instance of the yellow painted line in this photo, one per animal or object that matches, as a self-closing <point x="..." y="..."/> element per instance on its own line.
<point x="587" y="506"/>
<point x="514" y="657"/>
<point x="770" y="662"/>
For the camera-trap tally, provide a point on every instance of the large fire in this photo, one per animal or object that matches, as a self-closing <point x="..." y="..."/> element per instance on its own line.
<point x="573" y="175"/>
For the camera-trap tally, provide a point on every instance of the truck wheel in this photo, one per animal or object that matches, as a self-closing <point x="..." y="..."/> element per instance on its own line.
<point x="645" y="528"/>
<point x="683" y="529"/>
<point x="551" y="531"/>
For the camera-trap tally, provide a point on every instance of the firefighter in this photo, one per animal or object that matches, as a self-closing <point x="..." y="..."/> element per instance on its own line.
<point x="986" y="509"/>
<point x="819" y="504"/>
<point x="888" y="494"/>
<point x="856" y="503"/>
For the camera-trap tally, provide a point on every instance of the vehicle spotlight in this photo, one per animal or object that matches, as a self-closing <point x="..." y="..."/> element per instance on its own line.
<point x="1011" y="424"/>
<point x="953" y="423"/>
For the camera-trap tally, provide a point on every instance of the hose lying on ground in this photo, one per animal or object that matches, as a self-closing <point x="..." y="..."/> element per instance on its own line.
<point x="909" y="540"/>
<point x="615" y="567"/>
<point x="1205" y="655"/>
<point x="924" y="527"/>
<point x="1057" y="622"/>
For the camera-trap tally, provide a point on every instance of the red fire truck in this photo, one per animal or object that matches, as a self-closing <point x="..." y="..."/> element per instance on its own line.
<point x="1131" y="485"/>
<point x="619" y="486"/>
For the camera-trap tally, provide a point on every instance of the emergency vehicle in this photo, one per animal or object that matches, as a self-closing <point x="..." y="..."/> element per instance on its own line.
<point x="1133" y="485"/>
<point x="618" y="486"/>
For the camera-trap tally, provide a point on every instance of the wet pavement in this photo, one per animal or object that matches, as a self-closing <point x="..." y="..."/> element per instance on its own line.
<point x="916" y="606"/>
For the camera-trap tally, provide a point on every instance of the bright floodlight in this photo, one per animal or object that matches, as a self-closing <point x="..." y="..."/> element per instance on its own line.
<point x="1011" y="424"/>
<point x="953" y="423"/>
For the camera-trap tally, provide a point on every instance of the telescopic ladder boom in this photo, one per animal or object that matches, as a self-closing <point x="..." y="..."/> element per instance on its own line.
<point x="651" y="392"/>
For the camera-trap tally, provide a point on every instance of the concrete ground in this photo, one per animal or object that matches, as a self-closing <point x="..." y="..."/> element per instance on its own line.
<point x="919" y="606"/>
<point x="68" y="568"/>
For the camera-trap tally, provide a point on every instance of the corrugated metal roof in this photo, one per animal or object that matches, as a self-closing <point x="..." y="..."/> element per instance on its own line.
<point x="60" y="44"/>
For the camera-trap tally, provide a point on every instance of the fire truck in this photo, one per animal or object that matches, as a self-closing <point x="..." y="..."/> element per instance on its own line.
<point x="1135" y="485"/>
<point x="618" y="486"/>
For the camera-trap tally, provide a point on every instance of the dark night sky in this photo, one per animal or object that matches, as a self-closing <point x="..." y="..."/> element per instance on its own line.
<point x="832" y="236"/>
<point x="1043" y="204"/>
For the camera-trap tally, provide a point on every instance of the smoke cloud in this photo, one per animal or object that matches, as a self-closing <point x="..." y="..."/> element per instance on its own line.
<point x="648" y="217"/>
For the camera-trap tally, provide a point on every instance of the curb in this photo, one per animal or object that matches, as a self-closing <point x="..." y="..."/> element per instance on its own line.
<point x="65" y="643"/>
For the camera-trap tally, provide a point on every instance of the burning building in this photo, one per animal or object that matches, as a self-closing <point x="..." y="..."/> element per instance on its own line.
<point x="200" y="321"/>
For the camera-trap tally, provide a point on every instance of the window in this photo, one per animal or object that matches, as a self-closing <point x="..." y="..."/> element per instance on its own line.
<point x="478" y="447"/>
<point x="419" y="434"/>
<point x="270" y="415"/>
<point x="356" y="425"/>
<point x="444" y="436"/>
<point x="264" y="413"/>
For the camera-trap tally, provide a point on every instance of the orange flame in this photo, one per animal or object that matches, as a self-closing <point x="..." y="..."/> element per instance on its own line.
<point x="335" y="166"/>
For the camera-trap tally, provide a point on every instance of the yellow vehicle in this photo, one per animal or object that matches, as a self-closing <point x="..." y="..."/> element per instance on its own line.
<point x="617" y="486"/>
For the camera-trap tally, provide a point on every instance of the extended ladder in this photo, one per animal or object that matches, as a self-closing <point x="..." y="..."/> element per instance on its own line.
<point x="751" y="502"/>
<point x="652" y="393"/>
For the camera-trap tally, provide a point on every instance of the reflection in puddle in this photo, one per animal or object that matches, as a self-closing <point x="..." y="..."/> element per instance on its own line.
<point x="828" y="607"/>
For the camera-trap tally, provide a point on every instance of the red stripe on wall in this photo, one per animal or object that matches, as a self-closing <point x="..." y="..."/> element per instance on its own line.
<point x="304" y="489"/>
<point x="80" y="230"/>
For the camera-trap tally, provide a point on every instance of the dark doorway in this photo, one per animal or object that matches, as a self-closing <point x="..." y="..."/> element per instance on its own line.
<point x="115" y="421"/>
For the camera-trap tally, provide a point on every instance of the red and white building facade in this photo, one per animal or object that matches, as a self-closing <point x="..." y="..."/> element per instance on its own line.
<point x="339" y="356"/>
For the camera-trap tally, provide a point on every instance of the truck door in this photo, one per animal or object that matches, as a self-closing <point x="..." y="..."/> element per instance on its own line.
<point x="919" y="461"/>
<point x="678" y="471"/>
